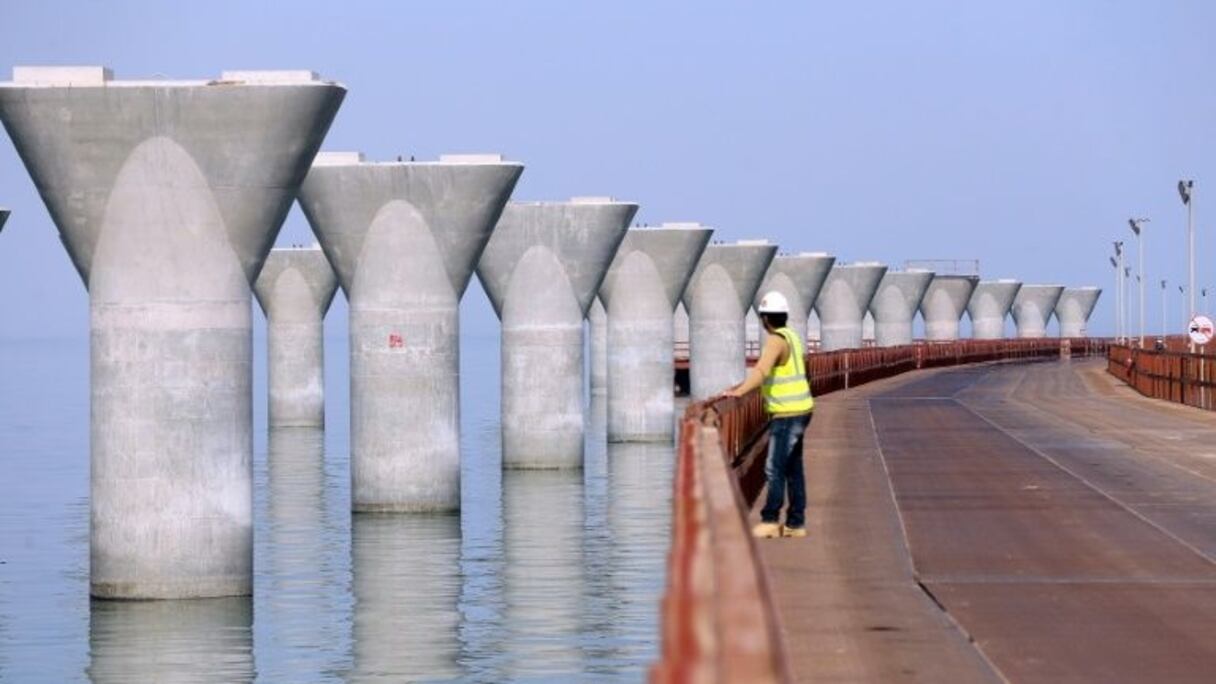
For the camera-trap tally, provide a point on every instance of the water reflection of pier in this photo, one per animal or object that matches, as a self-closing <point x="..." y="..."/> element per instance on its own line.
<point x="405" y="577"/>
<point x="204" y="640"/>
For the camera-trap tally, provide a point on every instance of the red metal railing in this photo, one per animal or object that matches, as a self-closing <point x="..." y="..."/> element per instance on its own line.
<point x="718" y="622"/>
<point x="1172" y="374"/>
<point x="718" y="619"/>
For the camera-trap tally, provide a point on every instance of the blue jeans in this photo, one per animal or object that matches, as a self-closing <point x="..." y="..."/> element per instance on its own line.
<point x="784" y="469"/>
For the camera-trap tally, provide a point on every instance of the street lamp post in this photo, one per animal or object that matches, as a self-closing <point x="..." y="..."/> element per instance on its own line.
<point x="1186" y="190"/>
<point x="1183" y="302"/>
<point x="1117" y="262"/>
<point x="1163" y="328"/>
<point x="1137" y="226"/>
<point x="1127" y="306"/>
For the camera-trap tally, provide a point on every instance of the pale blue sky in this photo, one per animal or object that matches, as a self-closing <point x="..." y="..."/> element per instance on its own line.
<point x="1019" y="133"/>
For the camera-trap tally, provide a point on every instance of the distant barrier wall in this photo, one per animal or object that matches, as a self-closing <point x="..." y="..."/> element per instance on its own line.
<point x="718" y="620"/>
<point x="1173" y="374"/>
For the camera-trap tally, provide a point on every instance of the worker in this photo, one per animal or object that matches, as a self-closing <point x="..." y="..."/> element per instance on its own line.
<point x="781" y="374"/>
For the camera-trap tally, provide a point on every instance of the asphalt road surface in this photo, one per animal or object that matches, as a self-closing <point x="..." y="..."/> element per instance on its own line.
<point x="1033" y="522"/>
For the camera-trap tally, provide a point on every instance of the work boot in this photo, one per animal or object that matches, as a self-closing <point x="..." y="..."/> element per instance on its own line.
<point x="767" y="530"/>
<point x="793" y="532"/>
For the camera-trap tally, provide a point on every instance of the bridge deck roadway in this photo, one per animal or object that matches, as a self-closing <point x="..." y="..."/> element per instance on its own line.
<point x="1021" y="522"/>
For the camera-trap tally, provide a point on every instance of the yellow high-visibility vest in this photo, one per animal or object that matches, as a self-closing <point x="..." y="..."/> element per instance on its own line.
<point x="786" y="390"/>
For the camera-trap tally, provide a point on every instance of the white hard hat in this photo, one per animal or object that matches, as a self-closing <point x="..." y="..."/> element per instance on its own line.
<point x="773" y="302"/>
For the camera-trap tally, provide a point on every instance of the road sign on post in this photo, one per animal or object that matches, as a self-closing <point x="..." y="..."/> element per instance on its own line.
<point x="1200" y="330"/>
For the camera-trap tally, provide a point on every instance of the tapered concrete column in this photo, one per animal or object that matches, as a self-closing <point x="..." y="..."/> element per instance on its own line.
<point x="988" y="307"/>
<point x="1074" y="308"/>
<point x="944" y="304"/>
<point x="894" y="305"/>
<point x="541" y="269"/>
<point x="295" y="289"/>
<point x="643" y="285"/>
<point x="814" y="330"/>
<point x="751" y="328"/>
<point x="1032" y="308"/>
<point x="843" y="302"/>
<point x="867" y="329"/>
<point x="717" y="299"/>
<point x="679" y="324"/>
<point x="3" y="217"/>
<point x="404" y="238"/>
<point x="167" y="196"/>
<point x="799" y="277"/>
<point x="597" y="323"/>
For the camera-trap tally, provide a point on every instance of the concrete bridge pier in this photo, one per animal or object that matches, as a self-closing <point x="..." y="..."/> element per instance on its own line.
<point x="1074" y="309"/>
<point x="989" y="305"/>
<point x="597" y="324"/>
<point x="1033" y="307"/>
<point x="894" y="305"/>
<point x="843" y="301"/>
<point x="717" y="299"/>
<point x="295" y="289"/>
<point x="541" y="269"/>
<point x="799" y="277"/>
<point x="168" y="196"/>
<point x="645" y="281"/>
<point x="404" y="238"/>
<point x="944" y="304"/>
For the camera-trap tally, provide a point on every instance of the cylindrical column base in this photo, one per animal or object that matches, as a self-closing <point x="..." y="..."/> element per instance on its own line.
<point x="542" y="395"/>
<point x="833" y="336"/>
<point x="987" y="329"/>
<point x="640" y="377"/>
<point x="405" y="408"/>
<point x="295" y="369"/>
<point x="716" y="355"/>
<point x="941" y="331"/>
<point x="598" y="324"/>
<point x="892" y="333"/>
<point x="171" y="483"/>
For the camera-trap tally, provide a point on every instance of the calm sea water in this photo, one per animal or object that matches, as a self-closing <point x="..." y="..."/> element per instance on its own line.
<point x="544" y="576"/>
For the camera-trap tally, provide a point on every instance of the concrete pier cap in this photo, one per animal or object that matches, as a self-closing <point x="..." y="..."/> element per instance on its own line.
<point x="719" y="293"/>
<point x="542" y="268"/>
<point x="989" y="306"/>
<point x="168" y="196"/>
<point x="295" y="289"/>
<point x="404" y="239"/>
<point x="944" y="304"/>
<point x="643" y="285"/>
<point x="1074" y="308"/>
<point x="799" y="277"/>
<point x="1033" y="307"/>
<point x="894" y="305"/>
<point x="843" y="302"/>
